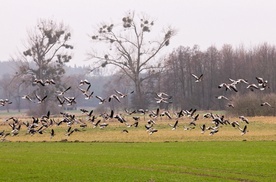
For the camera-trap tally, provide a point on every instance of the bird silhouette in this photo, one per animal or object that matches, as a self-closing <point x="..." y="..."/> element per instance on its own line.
<point x="198" y="78"/>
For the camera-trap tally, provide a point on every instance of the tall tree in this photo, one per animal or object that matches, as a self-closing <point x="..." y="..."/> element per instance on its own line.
<point x="130" y="47"/>
<point x="46" y="53"/>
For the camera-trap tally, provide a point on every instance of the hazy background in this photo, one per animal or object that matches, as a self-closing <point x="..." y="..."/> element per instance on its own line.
<point x="201" y="22"/>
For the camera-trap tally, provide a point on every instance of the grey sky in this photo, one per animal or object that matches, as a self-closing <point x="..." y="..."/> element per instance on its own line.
<point x="201" y="22"/>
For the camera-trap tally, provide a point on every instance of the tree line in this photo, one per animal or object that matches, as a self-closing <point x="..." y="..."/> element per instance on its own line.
<point x="131" y="47"/>
<point x="217" y="66"/>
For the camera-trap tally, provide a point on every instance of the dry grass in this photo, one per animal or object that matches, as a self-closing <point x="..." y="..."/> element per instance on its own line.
<point x="259" y="129"/>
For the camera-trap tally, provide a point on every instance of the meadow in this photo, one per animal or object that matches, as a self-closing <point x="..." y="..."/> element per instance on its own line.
<point x="109" y="154"/>
<point x="158" y="161"/>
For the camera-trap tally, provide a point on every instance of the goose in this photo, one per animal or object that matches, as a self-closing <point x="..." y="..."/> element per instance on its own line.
<point x="198" y="78"/>
<point x="84" y="90"/>
<point x="120" y="118"/>
<point x="226" y="122"/>
<point x="61" y="102"/>
<point x="261" y="81"/>
<point x="162" y="100"/>
<point x="150" y="121"/>
<point x="70" y="100"/>
<point x="238" y="81"/>
<point x="208" y="115"/>
<point x="121" y="95"/>
<point x="84" y="111"/>
<point x="39" y="81"/>
<point x="152" y="130"/>
<point x="148" y="126"/>
<point x="14" y="119"/>
<point x="244" y="119"/>
<point x="90" y="113"/>
<point x="101" y="99"/>
<point x="191" y="112"/>
<point x="88" y="96"/>
<point x="86" y="93"/>
<point x="103" y="125"/>
<point x="264" y="86"/>
<point x="2" y="133"/>
<point x="3" y="102"/>
<point x="40" y="100"/>
<point x="47" y="116"/>
<point x="252" y="87"/>
<point x="82" y="82"/>
<point x="213" y="132"/>
<point x="230" y="105"/>
<point x="188" y="128"/>
<point x="175" y="125"/>
<point x="4" y="136"/>
<point x="72" y="131"/>
<point x="130" y="112"/>
<point x="136" y="118"/>
<point x="217" y="121"/>
<point x="222" y="97"/>
<point x="244" y="130"/>
<point x="162" y="97"/>
<point x="230" y="86"/>
<point x="111" y="114"/>
<point x="194" y="120"/>
<point x="203" y="128"/>
<point x="27" y="97"/>
<point x="52" y="133"/>
<point x="49" y="81"/>
<point x="179" y="114"/>
<point x="124" y="131"/>
<point x="162" y="94"/>
<point x="235" y="123"/>
<point x="63" y="92"/>
<point x="96" y="124"/>
<point x="14" y="132"/>
<point x="168" y="114"/>
<point x="83" y="125"/>
<point x="135" y="124"/>
<point x="154" y="114"/>
<point x="266" y="104"/>
<point x="113" y="96"/>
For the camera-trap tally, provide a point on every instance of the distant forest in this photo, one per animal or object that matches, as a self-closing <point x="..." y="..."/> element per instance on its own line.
<point x="175" y="79"/>
<point x="14" y="91"/>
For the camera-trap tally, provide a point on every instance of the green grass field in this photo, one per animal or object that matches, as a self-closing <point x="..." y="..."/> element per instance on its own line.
<point x="158" y="161"/>
<point x="108" y="154"/>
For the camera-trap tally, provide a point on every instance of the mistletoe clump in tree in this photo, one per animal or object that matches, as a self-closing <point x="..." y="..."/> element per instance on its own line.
<point x="47" y="52"/>
<point x="131" y="47"/>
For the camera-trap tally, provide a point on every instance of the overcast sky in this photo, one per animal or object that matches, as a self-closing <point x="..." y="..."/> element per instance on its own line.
<point x="201" y="22"/>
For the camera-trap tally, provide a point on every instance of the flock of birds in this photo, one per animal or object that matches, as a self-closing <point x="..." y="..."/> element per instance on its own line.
<point x="47" y="123"/>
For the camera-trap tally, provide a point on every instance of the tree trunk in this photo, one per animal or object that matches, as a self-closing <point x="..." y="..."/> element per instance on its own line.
<point x="139" y="98"/>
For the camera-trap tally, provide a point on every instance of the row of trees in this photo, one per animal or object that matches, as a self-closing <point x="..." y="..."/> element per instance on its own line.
<point x="217" y="66"/>
<point x="49" y="49"/>
<point x="131" y="47"/>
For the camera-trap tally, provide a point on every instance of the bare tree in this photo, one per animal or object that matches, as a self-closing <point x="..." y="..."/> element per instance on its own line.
<point x="128" y="46"/>
<point x="44" y="58"/>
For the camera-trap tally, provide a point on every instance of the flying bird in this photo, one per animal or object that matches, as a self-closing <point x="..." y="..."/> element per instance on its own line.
<point x="222" y="97"/>
<point x="63" y="92"/>
<point x="198" y="78"/>
<point x="266" y="104"/>
<point x="121" y="95"/>
<point x="175" y="125"/>
<point x="40" y="100"/>
<point x="244" y="130"/>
